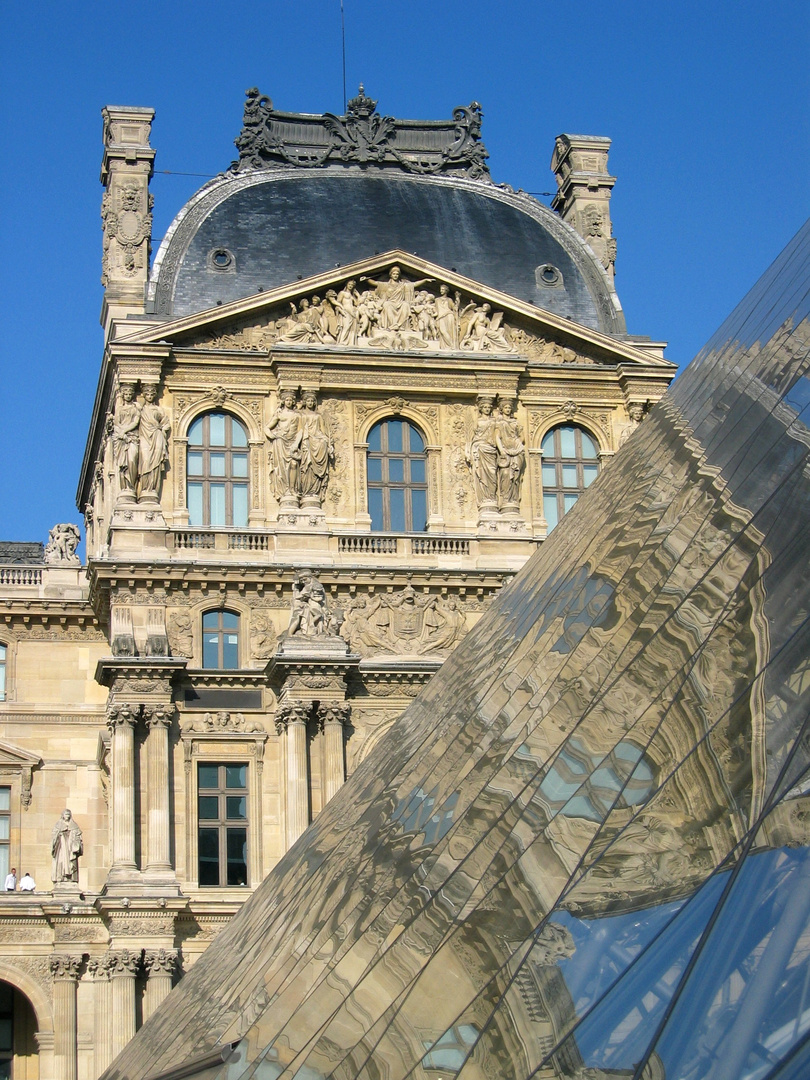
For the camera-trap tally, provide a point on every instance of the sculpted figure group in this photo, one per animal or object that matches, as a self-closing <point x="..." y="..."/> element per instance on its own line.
<point x="140" y="433"/>
<point x="496" y="455"/>
<point x="301" y="451"/>
<point x="404" y="622"/>
<point x="394" y="313"/>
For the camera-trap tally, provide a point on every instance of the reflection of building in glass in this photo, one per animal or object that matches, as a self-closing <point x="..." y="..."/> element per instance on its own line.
<point x="584" y="850"/>
<point x="320" y="445"/>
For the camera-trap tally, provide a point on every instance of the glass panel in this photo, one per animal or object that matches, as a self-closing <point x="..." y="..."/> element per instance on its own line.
<point x="211" y="620"/>
<point x="589" y="474"/>
<point x="216" y="431"/>
<point x="5" y="1033"/>
<point x="5" y="798"/>
<point x="239" y="465"/>
<point x="208" y="844"/>
<point x="195" y="463"/>
<point x="375" y="508"/>
<point x="195" y="504"/>
<point x="240" y="505"/>
<point x="550" y="510"/>
<point x="217" y="496"/>
<point x="395" y="436"/>
<point x="236" y="808"/>
<point x="216" y="464"/>
<point x="569" y="476"/>
<point x="238" y="434"/>
<point x="195" y="432"/>
<point x="549" y="476"/>
<point x="396" y="470"/>
<point x="419" y="509"/>
<point x="568" y="502"/>
<point x="417" y="470"/>
<point x="235" y="776"/>
<point x="230" y="651"/>
<point x="416" y="443"/>
<point x="547" y="445"/>
<point x="210" y="650"/>
<point x="567" y="442"/>
<point x="5" y="863"/>
<point x="208" y="776"/>
<point x="397" y="500"/>
<point x="374" y="438"/>
<point x="208" y="807"/>
<point x="237" y="856"/>
<point x="230" y="620"/>
<point x="4" y="828"/>
<point x="589" y="447"/>
<point x="375" y="468"/>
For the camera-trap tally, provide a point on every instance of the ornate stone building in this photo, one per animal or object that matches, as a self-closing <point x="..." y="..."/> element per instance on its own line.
<point x="354" y="391"/>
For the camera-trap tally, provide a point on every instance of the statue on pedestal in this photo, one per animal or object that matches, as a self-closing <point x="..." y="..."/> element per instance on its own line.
<point x="66" y="847"/>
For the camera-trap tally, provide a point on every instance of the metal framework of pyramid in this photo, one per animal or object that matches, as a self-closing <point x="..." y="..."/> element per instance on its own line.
<point x="584" y="851"/>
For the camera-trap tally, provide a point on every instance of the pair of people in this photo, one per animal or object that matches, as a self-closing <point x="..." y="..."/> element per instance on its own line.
<point x="27" y="883"/>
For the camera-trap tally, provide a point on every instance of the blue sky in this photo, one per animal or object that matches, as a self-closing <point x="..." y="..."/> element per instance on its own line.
<point x="707" y="106"/>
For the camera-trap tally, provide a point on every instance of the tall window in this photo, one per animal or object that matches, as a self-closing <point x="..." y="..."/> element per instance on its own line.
<point x="5" y="831"/>
<point x="570" y="464"/>
<point x="2" y="673"/>
<point x="220" y="640"/>
<point x="222" y="824"/>
<point x="397" y="477"/>
<point x="217" y="469"/>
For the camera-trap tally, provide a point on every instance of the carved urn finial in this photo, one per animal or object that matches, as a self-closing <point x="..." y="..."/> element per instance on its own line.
<point x="362" y="105"/>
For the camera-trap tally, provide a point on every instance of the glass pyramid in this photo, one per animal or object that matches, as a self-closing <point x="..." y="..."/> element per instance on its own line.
<point x="584" y="851"/>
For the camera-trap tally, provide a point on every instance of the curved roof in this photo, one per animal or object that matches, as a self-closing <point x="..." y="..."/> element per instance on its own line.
<point x="278" y="225"/>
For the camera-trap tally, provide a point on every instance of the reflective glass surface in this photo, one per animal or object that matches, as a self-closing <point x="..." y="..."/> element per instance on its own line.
<point x="584" y="850"/>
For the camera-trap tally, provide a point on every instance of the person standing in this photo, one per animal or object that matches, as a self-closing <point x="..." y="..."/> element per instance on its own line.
<point x="27" y="883"/>
<point x="11" y="880"/>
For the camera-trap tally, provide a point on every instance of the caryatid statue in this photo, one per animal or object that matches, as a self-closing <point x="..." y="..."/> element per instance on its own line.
<point x="511" y="461"/>
<point x="317" y="452"/>
<point x="283" y="430"/>
<point x="153" y="445"/>
<point x="66" y="847"/>
<point x="482" y="455"/>
<point x="126" y="423"/>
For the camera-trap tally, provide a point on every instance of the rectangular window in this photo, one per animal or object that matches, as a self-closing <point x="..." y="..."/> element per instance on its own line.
<point x="5" y="831"/>
<point x="222" y="816"/>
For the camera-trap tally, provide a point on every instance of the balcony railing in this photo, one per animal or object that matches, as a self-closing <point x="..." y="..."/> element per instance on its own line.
<point x="20" y="575"/>
<point x="362" y="546"/>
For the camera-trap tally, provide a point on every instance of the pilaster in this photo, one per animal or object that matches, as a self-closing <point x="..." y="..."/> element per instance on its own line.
<point x="158" y="720"/>
<point x="291" y="721"/>
<point x="123" y="967"/>
<point x="65" y="969"/>
<point x="332" y="719"/>
<point x="98" y="968"/>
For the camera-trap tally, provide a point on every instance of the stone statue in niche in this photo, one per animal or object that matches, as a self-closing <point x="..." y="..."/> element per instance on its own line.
<point x="62" y="543"/>
<point x="317" y="452"/>
<point x="126" y="423"/>
<point x="284" y="433"/>
<point x="66" y="847"/>
<point x="308" y="610"/>
<point x="153" y="445"/>
<point x="511" y="459"/>
<point x="482" y="455"/>
<point x="181" y="634"/>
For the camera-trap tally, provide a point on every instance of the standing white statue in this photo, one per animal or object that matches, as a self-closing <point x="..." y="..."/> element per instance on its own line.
<point x="66" y="847"/>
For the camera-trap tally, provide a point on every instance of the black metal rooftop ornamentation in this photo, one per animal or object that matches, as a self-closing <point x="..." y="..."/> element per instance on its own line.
<point x="271" y="139"/>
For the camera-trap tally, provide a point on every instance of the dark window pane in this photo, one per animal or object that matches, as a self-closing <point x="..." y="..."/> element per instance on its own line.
<point x="417" y="470"/>
<point x="240" y="505"/>
<point x="210" y="650"/>
<point x="375" y="508"/>
<point x="211" y="620"/>
<point x="236" y="776"/>
<point x="397" y="497"/>
<point x="230" y="620"/>
<point x="374" y="468"/>
<point x="195" y="433"/>
<point x="237" y="856"/>
<point x="589" y="447"/>
<point x="209" y="856"/>
<point x="236" y="808"/>
<point x="567" y="442"/>
<point x="230" y="651"/>
<point x="416" y="443"/>
<point x="238" y="434"/>
<point x="216" y="464"/>
<point x="195" y="504"/>
<point x="208" y="776"/>
<point x="208" y="807"/>
<point x="374" y="438"/>
<point x="216" y="431"/>
<point x="396" y="470"/>
<point x="419" y="509"/>
<point x="395" y="436"/>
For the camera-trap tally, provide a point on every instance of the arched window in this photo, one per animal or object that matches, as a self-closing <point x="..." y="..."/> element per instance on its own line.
<point x="217" y="470"/>
<point x="220" y="640"/>
<point x="397" y="477"/>
<point x="570" y="464"/>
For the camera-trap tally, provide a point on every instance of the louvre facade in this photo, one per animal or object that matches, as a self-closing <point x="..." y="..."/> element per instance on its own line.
<point x="347" y="397"/>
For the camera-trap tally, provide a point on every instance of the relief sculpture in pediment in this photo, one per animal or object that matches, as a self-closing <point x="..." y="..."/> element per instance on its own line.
<point x="405" y="622"/>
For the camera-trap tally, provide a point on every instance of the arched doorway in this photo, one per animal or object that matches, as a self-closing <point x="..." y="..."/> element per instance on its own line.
<point x="19" y="1058"/>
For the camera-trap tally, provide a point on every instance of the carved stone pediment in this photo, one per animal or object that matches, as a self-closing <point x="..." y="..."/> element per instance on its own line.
<point x="405" y="622"/>
<point x="395" y="302"/>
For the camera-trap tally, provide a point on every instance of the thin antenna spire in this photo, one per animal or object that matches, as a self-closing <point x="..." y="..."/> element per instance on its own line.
<point x="343" y="39"/>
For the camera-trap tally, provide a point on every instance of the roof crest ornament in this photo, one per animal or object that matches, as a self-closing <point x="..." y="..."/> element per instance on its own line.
<point x="271" y="139"/>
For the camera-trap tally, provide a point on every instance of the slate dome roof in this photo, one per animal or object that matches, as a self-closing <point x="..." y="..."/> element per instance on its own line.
<point x="310" y="193"/>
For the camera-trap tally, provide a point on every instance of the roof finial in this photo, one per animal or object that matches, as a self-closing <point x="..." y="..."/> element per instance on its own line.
<point x="362" y="105"/>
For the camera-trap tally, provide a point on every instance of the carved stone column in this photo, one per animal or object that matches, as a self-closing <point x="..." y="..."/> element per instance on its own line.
<point x="123" y="966"/>
<point x="121" y="720"/>
<point x="160" y="966"/>
<point x="158" y="720"/>
<point x="65" y="970"/>
<point x="99" y="970"/>
<point x="331" y="718"/>
<point x="292" y="718"/>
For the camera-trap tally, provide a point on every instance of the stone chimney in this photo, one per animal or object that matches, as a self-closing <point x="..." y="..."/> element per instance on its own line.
<point x="126" y="211"/>
<point x="584" y="184"/>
